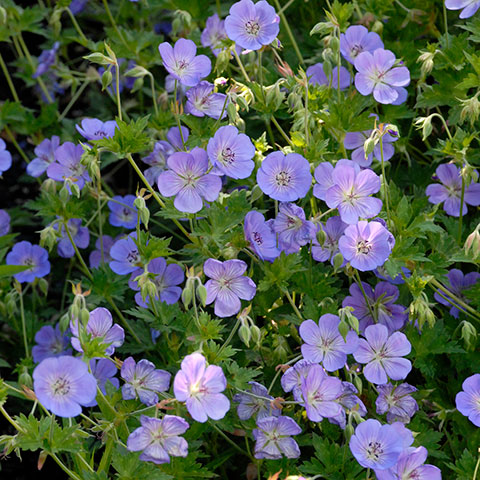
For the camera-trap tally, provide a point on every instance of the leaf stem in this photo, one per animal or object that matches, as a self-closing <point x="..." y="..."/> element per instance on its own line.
<point x="9" y="79"/>
<point x="289" y="32"/>
<point x="460" y="218"/>
<point x="240" y="64"/>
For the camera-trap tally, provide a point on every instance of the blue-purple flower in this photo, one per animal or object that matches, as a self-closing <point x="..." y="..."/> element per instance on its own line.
<point x="157" y="160"/>
<point x="383" y="354"/>
<point x="324" y="344"/>
<point x="381" y="301"/>
<point x="375" y="445"/>
<point x="187" y="179"/>
<point x="45" y="155"/>
<point x="319" y="392"/>
<point x="252" y="25"/>
<point x="273" y="437"/>
<point x="202" y="100"/>
<point x="46" y="59"/>
<point x="468" y="7"/>
<point x="33" y="256"/>
<point x="183" y="63"/>
<point x="293" y="378"/>
<point x="159" y="439"/>
<point x="251" y="405"/>
<point x="378" y="74"/>
<point x="468" y="400"/>
<point x="123" y="213"/>
<point x="63" y="384"/>
<point x="166" y="279"/>
<point x="396" y="402"/>
<point x="324" y="176"/>
<point x="449" y="191"/>
<point x="125" y="255"/>
<point x="104" y="370"/>
<point x="231" y="152"/>
<point x="351" y="193"/>
<point x="143" y="380"/>
<point x="292" y="228"/>
<point x="214" y="34"/>
<point x="5" y="157"/>
<point x="67" y="165"/>
<point x="174" y="137"/>
<point x="99" y="325"/>
<point x="80" y="236"/>
<point x="200" y="388"/>
<point x="284" y="177"/>
<point x="102" y="246"/>
<point x="4" y="222"/>
<point x="317" y="76"/>
<point x="366" y="245"/>
<point x="333" y="229"/>
<point x="410" y="466"/>
<point x="358" y="39"/>
<point x="95" y="129"/>
<point x="458" y="283"/>
<point x="349" y="401"/>
<point x="51" y="342"/>
<point x="260" y="235"/>
<point x="356" y="140"/>
<point x="227" y="285"/>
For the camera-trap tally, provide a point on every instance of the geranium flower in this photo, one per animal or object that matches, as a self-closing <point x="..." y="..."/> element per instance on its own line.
<point x="187" y="179"/>
<point x="45" y="155"/>
<point x="95" y="258"/>
<point x="123" y="212"/>
<point x="252" y="25"/>
<point x="227" y="285"/>
<point x="273" y="438"/>
<point x="378" y="75"/>
<point x="183" y="63"/>
<point x="99" y="325"/>
<point x="202" y="100"/>
<point x="67" y="165"/>
<point x="468" y="400"/>
<point x="157" y="160"/>
<point x="316" y="76"/>
<point x="375" y="445"/>
<point x="214" y="33"/>
<point x="5" y="157"/>
<point x="4" y="222"/>
<point x="63" y="384"/>
<point x="356" y="141"/>
<point x="293" y="378"/>
<point x="125" y="255"/>
<point x="51" y="342"/>
<point x="36" y="257"/>
<point x="333" y="229"/>
<point x="260" y="235"/>
<point x="366" y="245"/>
<point x="324" y="344"/>
<point x="284" y="177"/>
<point x="231" y="152"/>
<point x="396" y="402"/>
<point x="250" y="405"/>
<point x="158" y="439"/>
<point x="468" y="7"/>
<point x="143" y="380"/>
<point x="80" y="236"/>
<point x="95" y="129"/>
<point x="383" y="354"/>
<point x="200" y="387"/>
<point x="358" y="39"/>
<point x="449" y="192"/>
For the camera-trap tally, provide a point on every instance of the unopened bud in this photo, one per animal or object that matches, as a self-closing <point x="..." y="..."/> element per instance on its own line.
<point x="202" y="294"/>
<point x="41" y="459"/>
<point x="25" y="379"/>
<point x="43" y="286"/>
<point x="3" y="16"/>
<point x="187" y="293"/>
<point x="424" y="124"/>
<point x="256" y="334"/>
<point x="469" y="335"/>
<point x="106" y="79"/>
<point x="349" y="431"/>
<point x="321" y="236"/>
<point x="377" y="27"/>
<point x="84" y="316"/>
<point x="338" y="261"/>
<point x="343" y="328"/>
<point x="64" y="194"/>
<point x="245" y="334"/>
<point x="473" y="243"/>
<point x="471" y="109"/>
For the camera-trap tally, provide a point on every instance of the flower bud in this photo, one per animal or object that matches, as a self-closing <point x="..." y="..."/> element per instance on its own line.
<point x="64" y="322"/>
<point x="343" y="328"/>
<point x="426" y="59"/>
<point x="471" y="109"/>
<point x="369" y="146"/>
<point x="377" y="27"/>
<point x="41" y="459"/>
<point x="321" y="236"/>
<point x="84" y="316"/>
<point x="357" y="382"/>
<point x="3" y="16"/>
<point x="49" y="185"/>
<point x="256" y="194"/>
<point x="43" y="286"/>
<point x="187" y="293"/>
<point x="106" y="79"/>
<point x="48" y="237"/>
<point x="473" y="243"/>
<point x="469" y="335"/>
<point x="338" y="261"/>
<point x="25" y="379"/>
<point x="256" y="334"/>
<point x="75" y="189"/>
<point x="245" y="334"/>
<point x="349" y="431"/>
<point x="223" y="60"/>
<point x="424" y="124"/>
<point x="202" y="294"/>
<point x="64" y="194"/>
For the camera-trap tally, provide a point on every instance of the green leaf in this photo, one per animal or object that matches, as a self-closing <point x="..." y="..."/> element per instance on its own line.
<point x="9" y="270"/>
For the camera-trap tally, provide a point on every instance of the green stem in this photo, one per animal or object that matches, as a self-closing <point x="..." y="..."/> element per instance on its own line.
<point x="477" y="466"/>
<point x="157" y="198"/>
<point x="385" y="185"/>
<point x="292" y="303"/>
<point x="446" y="25"/>
<point x="444" y="124"/>
<point x="453" y="297"/>
<point x="177" y="116"/>
<point x="229" y="338"/>
<point x="89" y="467"/>
<point x="76" y="25"/>
<point x="240" y="64"/>
<point x="339" y="64"/>
<point x="307" y="129"/>
<point x="450" y="301"/>
<point x="11" y="420"/>
<point x="114" y="24"/>
<point x="282" y="132"/>
<point x="231" y="442"/>
<point x="107" y="455"/>
<point x="24" y="327"/>
<point x="154" y="95"/>
<point x="367" y="301"/>
<point x="17" y="146"/>
<point x="123" y="320"/>
<point x="460" y="218"/>
<point x="74" y="98"/>
<point x="64" y="467"/>
<point x="77" y="253"/>
<point x="117" y="81"/>
<point x="30" y="61"/>
<point x="9" y="79"/>
<point x="289" y="32"/>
